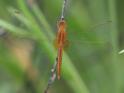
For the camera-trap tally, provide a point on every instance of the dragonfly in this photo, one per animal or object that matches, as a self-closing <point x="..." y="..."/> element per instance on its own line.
<point x="61" y="39"/>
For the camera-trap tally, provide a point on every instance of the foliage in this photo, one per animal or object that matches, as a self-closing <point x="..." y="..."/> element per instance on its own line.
<point x="91" y="64"/>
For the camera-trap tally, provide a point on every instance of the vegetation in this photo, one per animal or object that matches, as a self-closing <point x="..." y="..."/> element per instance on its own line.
<point x="91" y="63"/>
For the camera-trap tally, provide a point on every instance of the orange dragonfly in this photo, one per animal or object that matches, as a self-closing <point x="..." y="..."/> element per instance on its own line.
<point x="60" y="43"/>
<point x="61" y="39"/>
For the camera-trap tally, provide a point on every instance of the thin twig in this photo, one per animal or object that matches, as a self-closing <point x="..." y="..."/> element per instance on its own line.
<point x="63" y="9"/>
<point x="52" y="77"/>
<point x="53" y="70"/>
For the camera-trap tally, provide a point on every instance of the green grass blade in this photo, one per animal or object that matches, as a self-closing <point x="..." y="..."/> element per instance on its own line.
<point x="13" y="29"/>
<point x="117" y="71"/>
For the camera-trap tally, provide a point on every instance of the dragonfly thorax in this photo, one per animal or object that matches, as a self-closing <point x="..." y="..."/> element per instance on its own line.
<point x="62" y="24"/>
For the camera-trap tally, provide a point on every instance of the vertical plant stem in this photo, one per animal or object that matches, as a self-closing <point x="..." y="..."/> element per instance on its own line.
<point x="114" y="43"/>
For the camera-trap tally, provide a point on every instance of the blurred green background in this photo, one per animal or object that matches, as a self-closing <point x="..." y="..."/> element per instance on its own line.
<point x="91" y="63"/>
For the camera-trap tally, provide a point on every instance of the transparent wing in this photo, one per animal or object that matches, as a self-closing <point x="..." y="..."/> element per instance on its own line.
<point x="83" y="43"/>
